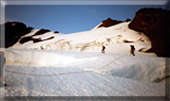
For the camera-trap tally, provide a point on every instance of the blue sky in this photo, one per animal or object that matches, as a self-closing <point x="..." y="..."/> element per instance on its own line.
<point x="69" y="18"/>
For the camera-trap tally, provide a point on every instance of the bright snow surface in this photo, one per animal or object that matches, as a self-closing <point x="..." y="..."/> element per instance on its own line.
<point x="56" y="73"/>
<point x="73" y="65"/>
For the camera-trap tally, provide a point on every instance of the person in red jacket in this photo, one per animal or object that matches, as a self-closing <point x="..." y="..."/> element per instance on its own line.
<point x="103" y="49"/>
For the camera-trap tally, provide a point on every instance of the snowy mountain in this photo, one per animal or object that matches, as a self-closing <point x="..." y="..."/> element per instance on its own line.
<point x="44" y="63"/>
<point x="116" y="39"/>
<point x="110" y="36"/>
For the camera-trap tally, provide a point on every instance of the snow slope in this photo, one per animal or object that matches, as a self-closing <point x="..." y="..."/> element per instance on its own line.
<point x="143" y="68"/>
<point x="57" y="73"/>
<point x="73" y="65"/>
<point x="74" y="82"/>
<point x="116" y="39"/>
<point x="56" y="64"/>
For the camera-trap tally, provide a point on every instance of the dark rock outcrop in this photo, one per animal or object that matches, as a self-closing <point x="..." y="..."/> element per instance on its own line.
<point x="35" y="40"/>
<point x="128" y="19"/>
<point x="155" y="23"/>
<point x="42" y="31"/>
<point x="25" y="39"/>
<point x="56" y="32"/>
<point x="14" y="31"/>
<point x="109" y="22"/>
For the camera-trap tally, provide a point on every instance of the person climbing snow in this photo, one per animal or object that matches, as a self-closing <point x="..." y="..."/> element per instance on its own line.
<point x="132" y="50"/>
<point x="103" y="49"/>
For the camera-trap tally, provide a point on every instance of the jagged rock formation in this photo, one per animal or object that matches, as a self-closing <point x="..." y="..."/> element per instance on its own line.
<point x="109" y="22"/>
<point x="155" y="23"/>
<point x="14" y="31"/>
<point x="42" y="31"/>
<point x="35" y="40"/>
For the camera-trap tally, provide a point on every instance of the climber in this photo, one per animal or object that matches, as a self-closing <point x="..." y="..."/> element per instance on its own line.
<point x="103" y="49"/>
<point x="132" y="50"/>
